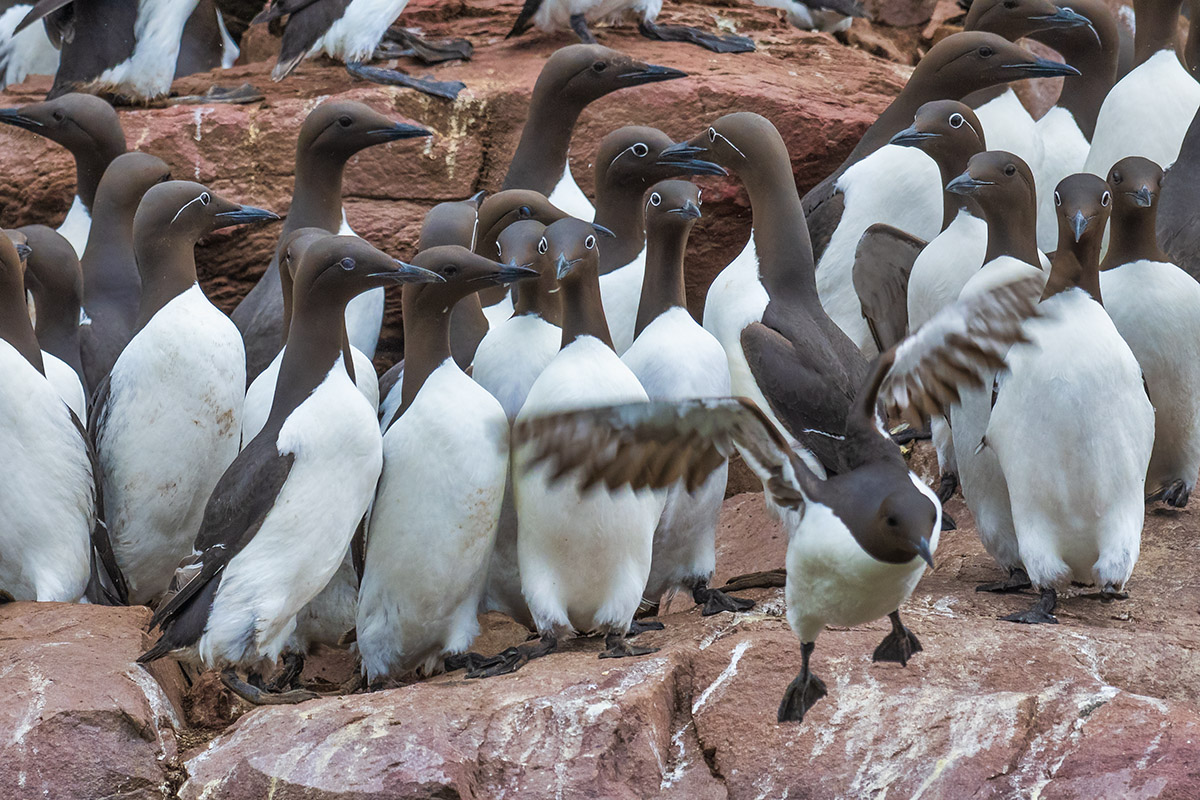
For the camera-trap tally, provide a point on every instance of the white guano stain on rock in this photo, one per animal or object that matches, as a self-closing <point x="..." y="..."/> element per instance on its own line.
<point x="725" y="675"/>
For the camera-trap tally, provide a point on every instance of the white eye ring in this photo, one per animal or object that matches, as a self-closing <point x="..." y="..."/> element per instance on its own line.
<point x="712" y="134"/>
<point x="498" y="252"/>
<point x="543" y="246"/>
<point x="956" y="120"/>
<point x="1105" y="199"/>
<point x="205" y="199"/>
<point x="697" y="197"/>
<point x="1057" y="199"/>
<point x="590" y="242"/>
<point x="346" y="264"/>
<point x="640" y="150"/>
<point x="655" y="199"/>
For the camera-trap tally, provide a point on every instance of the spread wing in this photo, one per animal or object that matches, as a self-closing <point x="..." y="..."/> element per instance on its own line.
<point x="654" y="445"/>
<point x="882" y="263"/>
<point x="1179" y="206"/>
<point x="957" y="348"/>
<point x="307" y="21"/>
<point x="235" y="512"/>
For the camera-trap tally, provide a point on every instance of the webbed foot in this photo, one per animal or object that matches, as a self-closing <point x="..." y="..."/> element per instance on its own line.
<point x="900" y="645"/>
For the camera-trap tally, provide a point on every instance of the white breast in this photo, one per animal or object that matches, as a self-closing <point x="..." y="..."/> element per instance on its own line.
<point x="676" y="359"/>
<point x="555" y="15"/>
<point x="27" y="53"/>
<point x="899" y="186"/>
<point x="1156" y="308"/>
<point x="621" y="293"/>
<point x="157" y="33"/>
<point x="433" y="526"/>
<point x="1073" y="430"/>
<point x="355" y="35"/>
<point x="1146" y="114"/>
<point x="77" y="226"/>
<point x="46" y="498"/>
<point x="560" y="529"/>
<point x="170" y="428"/>
<point x="944" y="266"/>
<point x="500" y="311"/>
<point x="261" y="394"/>
<point x="567" y="195"/>
<point x="1064" y="151"/>
<point x="512" y="355"/>
<point x="65" y="381"/>
<point x="302" y="541"/>
<point x="229" y="48"/>
<point x="831" y="580"/>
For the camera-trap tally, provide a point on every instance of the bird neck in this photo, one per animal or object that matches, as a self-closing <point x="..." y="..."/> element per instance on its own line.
<point x="108" y="262"/>
<point x="583" y="310"/>
<point x="780" y="232"/>
<point x="426" y="342"/>
<point x="541" y="155"/>
<point x="1157" y="27"/>
<point x="1083" y="94"/>
<point x="15" y="327"/>
<point x="57" y="327"/>
<point x="1075" y="264"/>
<point x="619" y="208"/>
<point x="1133" y="238"/>
<point x="317" y="200"/>
<point x="90" y="166"/>
<point x="663" y="285"/>
<point x="167" y="267"/>
<point x="1012" y="231"/>
<point x="315" y="343"/>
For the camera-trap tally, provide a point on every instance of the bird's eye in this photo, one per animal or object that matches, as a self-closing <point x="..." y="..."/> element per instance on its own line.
<point x="956" y="120"/>
<point x="712" y="134"/>
<point x="205" y="199"/>
<point x="1010" y="3"/>
<point x="524" y="212"/>
<point x="599" y="66"/>
<point x="345" y="121"/>
<point x="986" y="52"/>
<point x="655" y="199"/>
<point x="1105" y="199"/>
<point x="1116" y="178"/>
<point x="640" y="150"/>
<point x="590" y="243"/>
<point x="1057" y="199"/>
<point x="59" y="116"/>
<point x="346" y="264"/>
<point x="892" y="522"/>
<point x="543" y="246"/>
<point x="1010" y="170"/>
<point x="449" y="270"/>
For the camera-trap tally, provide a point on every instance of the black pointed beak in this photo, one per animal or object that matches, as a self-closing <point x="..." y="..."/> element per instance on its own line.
<point x="603" y="231"/>
<point x="399" y="131"/>
<point x="13" y="116"/>
<point x="408" y="273"/>
<point x="685" y="156"/>
<point x="652" y="73"/>
<point x="965" y="184"/>
<point x="924" y="552"/>
<point x="477" y="198"/>
<point x="911" y="137"/>
<point x="23" y="251"/>
<point x="563" y="267"/>
<point x="509" y="273"/>
<point x="244" y="215"/>
<point x="1067" y="18"/>
<point x="1041" y="68"/>
<point x="689" y="210"/>
<point x="1143" y="197"/>
<point x="1079" y="224"/>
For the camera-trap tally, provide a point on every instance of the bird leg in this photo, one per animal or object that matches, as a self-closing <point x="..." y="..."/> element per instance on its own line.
<point x="6" y="597"/>
<point x="909" y="435"/>
<point x="1108" y="594"/>
<point x="715" y="601"/>
<point x="445" y="89"/>
<point x="514" y="658"/>
<point x="261" y="697"/>
<point x="1175" y="494"/>
<point x="770" y="579"/>
<point x="579" y="25"/>
<point x="899" y="645"/>
<point x="948" y="523"/>
<point x="803" y="692"/>
<point x="646" y="609"/>
<point x="1042" y="611"/>
<point x="636" y="627"/>
<point x="428" y="51"/>
<point x="471" y="662"/>
<point x="289" y="676"/>
<point x="1016" y="581"/>
<point x="709" y="41"/>
<point x="946" y="487"/>
<point x="619" y="647"/>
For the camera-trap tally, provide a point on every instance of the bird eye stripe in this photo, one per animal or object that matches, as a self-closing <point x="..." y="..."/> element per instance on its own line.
<point x="199" y="199"/>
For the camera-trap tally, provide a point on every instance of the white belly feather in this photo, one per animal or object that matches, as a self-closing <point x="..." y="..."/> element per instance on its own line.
<point x="621" y="293"/>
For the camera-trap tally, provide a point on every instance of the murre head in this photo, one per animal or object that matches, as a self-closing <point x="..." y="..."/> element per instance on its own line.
<point x="461" y="273"/>
<point x="580" y="73"/>
<point x="339" y="129"/>
<point x="672" y="206"/>
<point x="997" y="180"/>
<point x="942" y="127"/>
<point x="185" y="211"/>
<point x="629" y="157"/>
<point x="573" y="246"/>
<point x="455" y="222"/>
<point x="52" y="273"/>
<point x="78" y="122"/>
<point x="502" y="209"/>
<point x="15" y="326"/>
<point x="1135" y="182"/>
<point x="899" y="527"/>
<point x="733" y="143"/>
<point x="523" y="243"/>
<point x="128" y="177"/>
<point x="335" y="269"/>
<point x="972" y="60"/>
<point x="1083" y="204"/>
<point x="292" y="249"/>
<point x="1014" y="19"/>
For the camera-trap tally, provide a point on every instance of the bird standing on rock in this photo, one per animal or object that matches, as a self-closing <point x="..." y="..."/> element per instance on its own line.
<point x="858" y="542"/>
<point x="280" y="518"/>
<point x="558" y="15"/>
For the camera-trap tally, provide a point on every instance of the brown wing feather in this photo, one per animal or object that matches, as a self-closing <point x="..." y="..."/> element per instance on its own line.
<point x="883" y="262"/>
